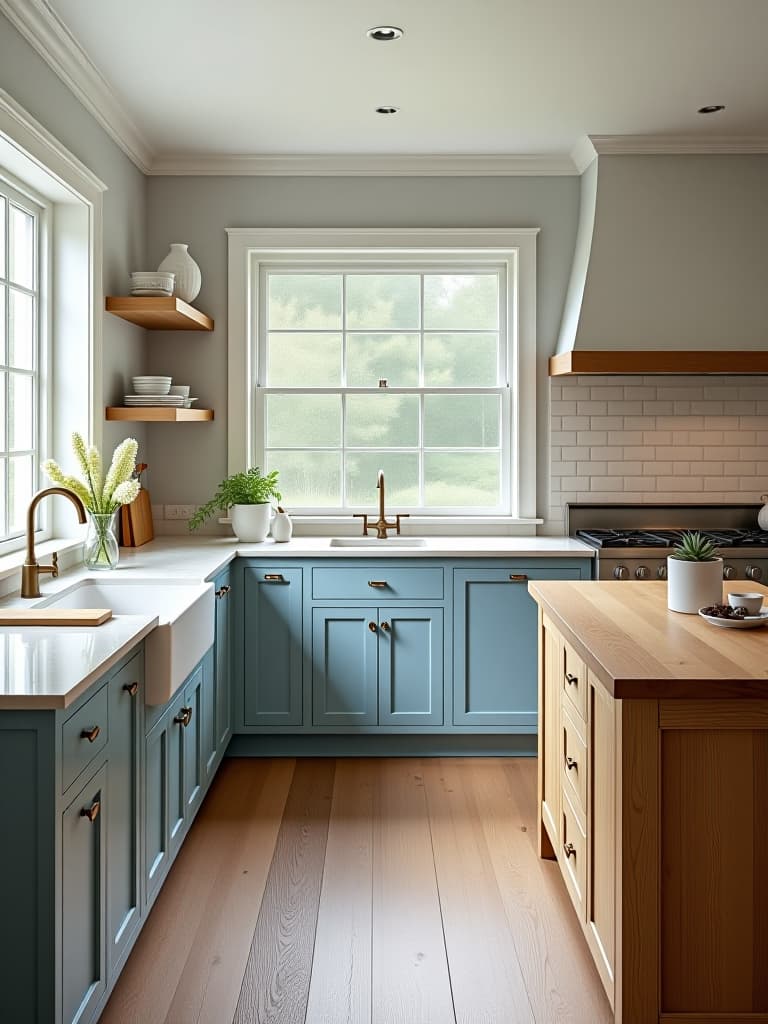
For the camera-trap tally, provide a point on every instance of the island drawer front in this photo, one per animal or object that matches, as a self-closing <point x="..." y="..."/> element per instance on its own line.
<point x="572" y="855"/>
<point x="573" y="755"/>
<point x="382" y="581"/>
<point x="83" y="736"/>
<point x="575" y="680"/>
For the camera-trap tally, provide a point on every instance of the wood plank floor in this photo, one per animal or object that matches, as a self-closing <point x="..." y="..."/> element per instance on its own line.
<point x="386" y="891"/>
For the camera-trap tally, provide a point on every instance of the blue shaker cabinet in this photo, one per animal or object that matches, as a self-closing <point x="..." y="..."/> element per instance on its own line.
<point x="344" y="666"/>
<point x="411" y="668"/>
<point x="273" y="645"/>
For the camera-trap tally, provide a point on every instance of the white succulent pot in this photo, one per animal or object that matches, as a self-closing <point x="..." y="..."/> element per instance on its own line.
<point x="188" y="276"/>
<point x="250" y="523"/>
<point x="692" y="585"/>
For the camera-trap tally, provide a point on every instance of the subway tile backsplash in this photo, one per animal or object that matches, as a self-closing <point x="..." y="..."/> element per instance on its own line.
<point x="642" y="439"/>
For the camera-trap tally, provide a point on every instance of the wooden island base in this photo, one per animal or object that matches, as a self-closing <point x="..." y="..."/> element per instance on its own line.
<point x="653" y="795"/>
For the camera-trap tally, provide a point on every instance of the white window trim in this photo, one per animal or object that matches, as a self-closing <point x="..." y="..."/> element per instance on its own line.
<point x="249" y="247"/>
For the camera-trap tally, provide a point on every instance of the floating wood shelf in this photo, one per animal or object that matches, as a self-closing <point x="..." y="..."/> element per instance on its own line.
<point x="662" y="361"/>
<point x="159" y="312"/>
<point x="158" y="414"/>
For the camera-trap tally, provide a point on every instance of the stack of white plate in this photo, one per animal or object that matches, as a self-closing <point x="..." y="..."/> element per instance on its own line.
<point x="174" y="401"/>
<point x="151" y="386"/>
<point x="152" y="282"/>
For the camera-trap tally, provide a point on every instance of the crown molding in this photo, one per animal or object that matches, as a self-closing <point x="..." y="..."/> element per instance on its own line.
<point x="364" y="165"/>
<point x="48" y="35"/>
<point x="583" y="153"/>
<point x="658" y="145"/>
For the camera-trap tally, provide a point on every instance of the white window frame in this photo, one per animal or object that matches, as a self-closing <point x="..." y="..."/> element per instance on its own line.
<point x="251" y="248"/>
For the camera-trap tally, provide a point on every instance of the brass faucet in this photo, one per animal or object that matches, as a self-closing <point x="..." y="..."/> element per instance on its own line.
<point x="31" y="570"/>
<point x="382" y="524"/>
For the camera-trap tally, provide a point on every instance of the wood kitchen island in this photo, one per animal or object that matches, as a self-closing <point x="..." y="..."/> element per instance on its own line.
<point x="653" y="797"/>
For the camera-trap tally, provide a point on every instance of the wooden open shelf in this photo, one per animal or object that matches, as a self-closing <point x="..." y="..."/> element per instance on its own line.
<point x="158" y="414"/>
<point x="661" y="361"/>
<point x="159" y="312"/>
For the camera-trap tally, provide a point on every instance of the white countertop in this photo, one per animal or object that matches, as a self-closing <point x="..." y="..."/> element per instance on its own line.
<point x="50" y="667"/>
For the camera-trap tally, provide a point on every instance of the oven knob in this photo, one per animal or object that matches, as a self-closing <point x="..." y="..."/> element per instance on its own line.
<point x="661" y="572"/>
<point x="754" y="572"/>
<point x="729" y="573"/>
<point x="641" y="573"/>
<point x="621" y="572"/>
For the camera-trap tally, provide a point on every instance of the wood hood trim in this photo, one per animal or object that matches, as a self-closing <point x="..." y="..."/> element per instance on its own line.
<point x="607" y="361"/>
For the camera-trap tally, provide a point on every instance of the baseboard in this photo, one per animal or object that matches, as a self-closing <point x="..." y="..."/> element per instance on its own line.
<point x="287" y="745"/>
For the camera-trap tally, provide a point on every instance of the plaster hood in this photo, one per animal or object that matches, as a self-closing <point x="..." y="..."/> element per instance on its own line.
<point x="670" y="270"/>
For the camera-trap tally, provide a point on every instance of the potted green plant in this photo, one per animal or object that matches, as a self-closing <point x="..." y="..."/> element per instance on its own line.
<point x="694" y="574"/>
<point x="248" y="498"/>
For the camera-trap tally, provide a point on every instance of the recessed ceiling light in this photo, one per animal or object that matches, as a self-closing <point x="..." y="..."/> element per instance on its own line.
<point x="712" y="108"/>
<point x="384" y="33"/>
<point x="387" y="110"/>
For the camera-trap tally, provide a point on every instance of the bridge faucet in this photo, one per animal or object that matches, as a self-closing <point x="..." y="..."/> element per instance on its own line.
<point x="382" y="524"/>
<point x="31" y="570"/>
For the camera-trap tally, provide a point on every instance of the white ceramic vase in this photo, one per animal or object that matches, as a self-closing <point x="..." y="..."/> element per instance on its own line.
<point x="250" y="523"/>
<point x="692" y="585"/>
<point x="762" y="515"/>
<point x="188" y="277"/>
<point x="282" y="528"/>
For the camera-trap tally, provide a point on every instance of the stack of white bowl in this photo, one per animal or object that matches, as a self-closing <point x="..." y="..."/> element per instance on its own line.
<point x="152" y="282"/>
<point x="154" y="390"/>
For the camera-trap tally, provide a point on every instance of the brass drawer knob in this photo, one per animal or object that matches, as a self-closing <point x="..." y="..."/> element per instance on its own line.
<point x="131" y="688"/>
<point x="373" y="627"/>
<point x="570" y="762"/>
<point x="518" y="577"/>
<point x="90" y="734"/>
<point x="569" y="850"/>
<point x="92" y="812"/>
<point x="184" y="717"/>
<point x="223" y="591"/>
<point x="272" y="577"/>
<point x="571" y="680"/>
<point x="377" y="584"/>
<point x="386" y="627"/>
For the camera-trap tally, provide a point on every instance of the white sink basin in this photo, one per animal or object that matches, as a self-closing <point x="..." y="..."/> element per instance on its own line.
<point x="185" y="631"/>
<point x="374" y="542"/>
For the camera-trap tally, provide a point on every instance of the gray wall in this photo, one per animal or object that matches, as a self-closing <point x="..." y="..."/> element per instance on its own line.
<point x="189" y="460"/>
<point x="35" y="87"/>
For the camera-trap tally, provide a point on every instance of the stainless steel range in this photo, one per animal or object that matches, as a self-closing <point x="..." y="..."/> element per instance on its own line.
<point x="633" y="541"/>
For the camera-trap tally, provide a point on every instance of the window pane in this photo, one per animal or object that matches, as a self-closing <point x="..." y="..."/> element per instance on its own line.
<point x="461" y="479"/>
<point x="309" y="301"/>
<point x="461" y="421"/>
<point x="22" y="247"/>
<point x="307" y="479"/>
<point x="461" y="302"/>
<point x="2" y="235"/>
<point x="382" y="302"/>
<point x="3" y="293"/>
<point x="392" y="356"/>
<point x="303" y="421"/>
<point x="2" y="413"/>
<point x="382" y="421"/>
<point x="401" y="470"/>
<point x="461" y="360"/>
<point x="304" y="360"/>
<point x="19" y="490"/>
<point x="21" y="330"/>
<point x="20" y="412"/>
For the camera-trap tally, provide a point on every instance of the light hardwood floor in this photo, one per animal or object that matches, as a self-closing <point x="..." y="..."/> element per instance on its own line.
<point x="387" y="891"/>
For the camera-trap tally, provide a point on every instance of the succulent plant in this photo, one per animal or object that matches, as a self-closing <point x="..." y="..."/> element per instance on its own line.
<point x="695" y="548"/>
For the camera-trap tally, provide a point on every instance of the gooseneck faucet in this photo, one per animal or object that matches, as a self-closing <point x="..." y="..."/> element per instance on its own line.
<point x="31" y="570"/>
<point x="382" y="524"/>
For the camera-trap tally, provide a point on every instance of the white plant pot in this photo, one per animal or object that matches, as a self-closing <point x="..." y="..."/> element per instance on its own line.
<point x="692" y="585"/>
<point x="188" y="276"/>
<point x="250" y="523"/>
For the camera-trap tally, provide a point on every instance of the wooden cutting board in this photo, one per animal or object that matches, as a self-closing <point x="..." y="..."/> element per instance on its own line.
<point x="136" y="518"/>
<point x="55" y="616"/>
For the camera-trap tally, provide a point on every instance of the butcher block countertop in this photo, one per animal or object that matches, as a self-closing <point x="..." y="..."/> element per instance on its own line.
<point x="639" y="649"/>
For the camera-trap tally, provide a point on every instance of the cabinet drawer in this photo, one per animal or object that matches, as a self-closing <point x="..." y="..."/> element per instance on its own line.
<point x="572" y="855"/>
<point x="574" y="679"/>
<point x="83" y="736"/>
<point x="573" y="756"/>
<point x="382" y="582"/>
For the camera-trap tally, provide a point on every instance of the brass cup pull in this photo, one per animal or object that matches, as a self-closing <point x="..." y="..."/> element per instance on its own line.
<point x="378" y="584"/>
<point x="386" y="627"/>
<point x="569" y="849"/>
<point x="90" y="734"/>
<point x="272" y="577"/>
<point x="571" y="680"/>
<point x="372" y="626"/>
<point x="223" y="591"/>
<point x="570" y="763"/>
<point x="131" y="688"/>
<point x="184" y="717"/>
<point x="518" y="577"/>
<point x="92" y="812"/>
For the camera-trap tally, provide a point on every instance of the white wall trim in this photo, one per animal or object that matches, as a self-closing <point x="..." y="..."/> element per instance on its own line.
<point x="658" y="145"/>
<point x="47" y="34"/>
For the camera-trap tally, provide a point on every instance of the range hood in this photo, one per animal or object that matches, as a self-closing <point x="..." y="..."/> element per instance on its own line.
<point x="670" y="269"/>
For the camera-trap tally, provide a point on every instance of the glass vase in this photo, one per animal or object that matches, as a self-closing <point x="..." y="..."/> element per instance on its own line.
<point x="101" y="547"/>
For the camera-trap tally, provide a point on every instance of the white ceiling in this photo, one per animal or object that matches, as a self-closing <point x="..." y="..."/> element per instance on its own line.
<point x="200" y="77"/>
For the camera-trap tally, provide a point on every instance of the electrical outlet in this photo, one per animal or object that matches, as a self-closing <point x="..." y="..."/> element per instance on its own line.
<point x="179" y="511"/>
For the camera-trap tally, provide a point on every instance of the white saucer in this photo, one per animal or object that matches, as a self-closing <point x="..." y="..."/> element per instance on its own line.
<point x="748" y="622"/>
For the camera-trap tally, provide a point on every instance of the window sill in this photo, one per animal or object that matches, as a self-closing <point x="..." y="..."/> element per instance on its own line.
<point x="69" y="550"/>
<point x="418" y="526"/>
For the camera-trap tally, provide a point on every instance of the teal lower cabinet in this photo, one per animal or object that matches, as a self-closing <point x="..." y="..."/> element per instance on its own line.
<point x="411" y="669"/>
<point x="344" y="666"/>
<point x="222" y="705"/>
<point x="156" y="808"/>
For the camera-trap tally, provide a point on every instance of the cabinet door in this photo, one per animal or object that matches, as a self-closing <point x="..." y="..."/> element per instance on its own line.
<point x="176" y="779"/>
<point x="83" y="900"/>
<point x="410" y="666"/>
<point x="192" y="739"/>
<point x="550" y="697"/>
<point x="126" y="695"/>
<point x="156" y="806"/>
<point x="273" y="646"/>
<point x="223" y="703"/>
<point x="210" y="749"/>
<point x="495" y="663"/>
<point x="344" y="666"/>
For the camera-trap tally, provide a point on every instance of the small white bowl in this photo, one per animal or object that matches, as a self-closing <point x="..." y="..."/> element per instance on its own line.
<point x="152" y="282"/>
<point x="180" y="389"/>
<point x="751" y="601"/>
<point x="151" y="385"/>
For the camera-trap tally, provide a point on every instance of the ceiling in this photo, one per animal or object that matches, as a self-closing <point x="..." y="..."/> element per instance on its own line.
<point x="523" y="77"/>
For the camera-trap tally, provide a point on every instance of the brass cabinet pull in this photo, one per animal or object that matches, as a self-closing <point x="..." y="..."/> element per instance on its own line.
<point x="92" y="812"/>
<point x="518" y="577"/>
<point x="184" y="717"/>
<point x="273" y="577"/>
<point x="569" y="849"/>
<point x="372" y="626"/>
<point x="90" y="734"/>
<point x="386" y="627"/>
<point x="131" y="688"/>
<point x="571" y="680"/>
<point x="223" y="591"/>
<point x="377" y="583"/>
<point x="570" y="763"/>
